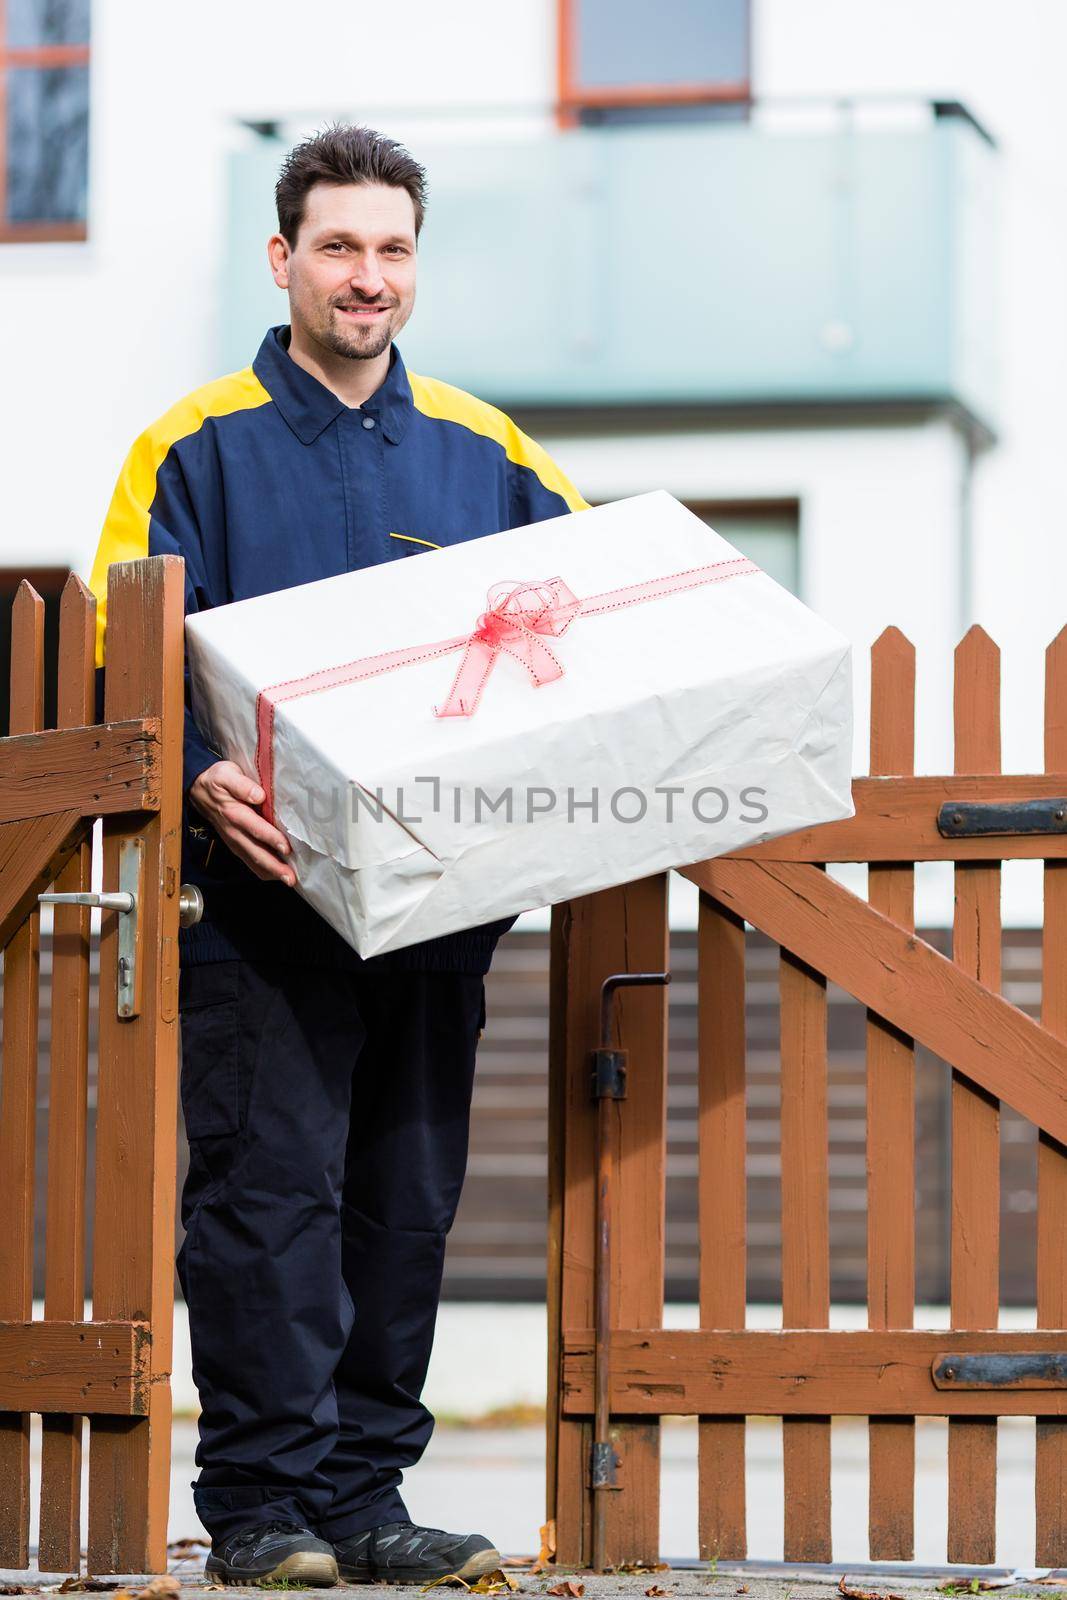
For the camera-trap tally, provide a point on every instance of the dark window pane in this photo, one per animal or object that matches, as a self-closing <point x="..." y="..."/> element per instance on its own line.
<point x="624" y="42"/>
<point x="38" y="22"/>
<point x="634" y="116"/>
<point x="47" y="144"/>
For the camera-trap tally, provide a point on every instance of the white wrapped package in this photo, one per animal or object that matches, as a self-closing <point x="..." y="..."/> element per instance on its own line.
<point x="506" y="723"/>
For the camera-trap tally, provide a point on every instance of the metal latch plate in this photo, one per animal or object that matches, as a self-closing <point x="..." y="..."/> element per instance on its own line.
<point x="1026" y="1369"/>
<point x="131" y="874"/>
<point x="977" y="819"/>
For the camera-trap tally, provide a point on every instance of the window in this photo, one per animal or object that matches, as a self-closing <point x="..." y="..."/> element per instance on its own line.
<point x="627" y="61"/>
<point x="766" y="531"/>
<point x="44" y="119"/>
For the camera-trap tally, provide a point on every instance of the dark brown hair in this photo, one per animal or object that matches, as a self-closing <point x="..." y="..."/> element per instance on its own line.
<point x="345" y="154"/>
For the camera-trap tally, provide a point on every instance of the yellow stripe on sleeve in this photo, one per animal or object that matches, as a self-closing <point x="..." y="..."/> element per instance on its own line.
<point x="125" y="531"/>
<point x="441" y="400"/>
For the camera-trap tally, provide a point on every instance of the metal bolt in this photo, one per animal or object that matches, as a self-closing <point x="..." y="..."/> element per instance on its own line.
<point x="1059" y="814"/>
<point x="948" y="1372"/>
<point x="957" y="819"/>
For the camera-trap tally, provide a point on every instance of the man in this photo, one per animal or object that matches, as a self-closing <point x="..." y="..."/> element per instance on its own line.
<point x="326" y="1098"/>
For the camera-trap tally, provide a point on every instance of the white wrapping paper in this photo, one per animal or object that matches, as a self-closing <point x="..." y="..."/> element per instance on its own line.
<point x="682" y="727"/>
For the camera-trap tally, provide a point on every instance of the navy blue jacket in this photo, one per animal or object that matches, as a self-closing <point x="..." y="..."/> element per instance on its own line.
<point x="265" y="479"/>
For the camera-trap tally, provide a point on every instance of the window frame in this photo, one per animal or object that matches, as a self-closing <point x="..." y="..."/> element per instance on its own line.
<point x="40" y="56"/>
<point x="573" y="99"/>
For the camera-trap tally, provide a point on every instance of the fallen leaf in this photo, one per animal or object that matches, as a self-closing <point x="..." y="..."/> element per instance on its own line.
<point x="845" y="1588"/>
<point x="158" y="1588"/>
<point x="495" y="1582"/>
<point x="16" y="1588"/>
<point x="655" y="1590"/>
<point x="86" y="1586"/>
<point x="980" y="1585"/>
<point x="568" y="1588"/>
<point x="452" y="1578"/>
<point x="743" y="1589"/>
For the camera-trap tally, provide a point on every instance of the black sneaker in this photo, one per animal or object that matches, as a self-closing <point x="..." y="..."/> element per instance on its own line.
<point x="400" y="1552"/>
<point x="273" y="1550"/>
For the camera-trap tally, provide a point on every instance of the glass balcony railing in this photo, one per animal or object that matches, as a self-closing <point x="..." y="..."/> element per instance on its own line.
<point x="805" y="256"/>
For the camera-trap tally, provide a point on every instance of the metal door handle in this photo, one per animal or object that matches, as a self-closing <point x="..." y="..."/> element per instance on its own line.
<point x="118" y="901"/>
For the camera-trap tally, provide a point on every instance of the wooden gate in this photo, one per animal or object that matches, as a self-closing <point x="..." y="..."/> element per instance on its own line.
<point x="115" y="1368"/>
<point x="806" y="1373"/>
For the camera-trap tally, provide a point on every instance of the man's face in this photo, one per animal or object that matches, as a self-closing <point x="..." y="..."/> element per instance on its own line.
<point x="351" y="274"/>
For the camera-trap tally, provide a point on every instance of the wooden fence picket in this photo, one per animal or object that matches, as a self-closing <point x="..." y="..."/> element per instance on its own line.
<point x="722" y="1209"/>
<point x="891" y="1123"/>
<point x="1051" y="1459"/>
<point x="68" y="1099"/>
<point x="18" y="1100"/>
<point x="975" y="1251"/>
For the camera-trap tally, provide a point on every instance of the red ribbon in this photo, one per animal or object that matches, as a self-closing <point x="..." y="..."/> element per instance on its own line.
<point x="518" y="619"/>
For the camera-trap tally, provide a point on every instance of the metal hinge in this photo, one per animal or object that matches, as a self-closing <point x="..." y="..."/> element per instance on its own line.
<point x="1026" y="1369"/>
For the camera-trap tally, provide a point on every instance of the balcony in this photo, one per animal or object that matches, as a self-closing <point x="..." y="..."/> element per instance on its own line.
<point x="805" y="257"/>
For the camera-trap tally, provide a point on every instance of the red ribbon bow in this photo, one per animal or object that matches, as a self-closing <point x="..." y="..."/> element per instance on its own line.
<point x="516" y="620"/>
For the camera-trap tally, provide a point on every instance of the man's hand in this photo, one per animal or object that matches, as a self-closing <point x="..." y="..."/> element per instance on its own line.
<point x="227" y="799"/>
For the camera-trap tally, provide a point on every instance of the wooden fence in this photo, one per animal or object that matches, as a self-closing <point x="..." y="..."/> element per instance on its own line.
<point x="115" y="1367"/>
<point x="807" y="1373"/>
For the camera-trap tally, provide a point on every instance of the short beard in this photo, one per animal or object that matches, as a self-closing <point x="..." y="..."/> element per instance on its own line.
<point x="335" y="341"/>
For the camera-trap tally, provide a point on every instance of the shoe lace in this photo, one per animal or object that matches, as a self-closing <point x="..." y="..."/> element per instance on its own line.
<point x="250" y="1535"/>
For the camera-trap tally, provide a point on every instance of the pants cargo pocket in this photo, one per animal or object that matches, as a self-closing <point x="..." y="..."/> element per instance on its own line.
<point x="210" y="1051"/>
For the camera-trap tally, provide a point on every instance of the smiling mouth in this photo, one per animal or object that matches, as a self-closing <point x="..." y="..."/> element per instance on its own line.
<point x="364" y="312"/>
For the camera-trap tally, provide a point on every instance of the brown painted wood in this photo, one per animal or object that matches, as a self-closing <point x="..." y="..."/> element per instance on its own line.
<point x="59" y="1368"/>
<point x="133" y="1261"/>
<point x="975" y="1233"/>
<point x="795" y="1373"/>
<point x="18" y="1101"/>
<point x="619" y="930"/>
<point x="557" y="1107"/>
<point x="903" y="978"/>
<point x="61" y="1438"/>
<point x="91" y="770"/>
<point x="891" y="1124"/>
<point x="896" y="820"/>
<point x="1051" y="1467"/>
<point x="722" y="1210"/>
<point x="805" y="1243"/>
<point x="575" y="926"/>
<point x="32" y="855"/>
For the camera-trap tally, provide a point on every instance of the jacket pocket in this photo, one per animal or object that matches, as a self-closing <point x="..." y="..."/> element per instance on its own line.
<point x="210" y="1051"/>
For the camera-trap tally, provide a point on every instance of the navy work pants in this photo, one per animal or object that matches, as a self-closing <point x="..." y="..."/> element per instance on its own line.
<point x="327" y="1115"/>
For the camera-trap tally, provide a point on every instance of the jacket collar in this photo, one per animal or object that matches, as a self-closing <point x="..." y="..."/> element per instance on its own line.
<point x="309" y="407"/>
